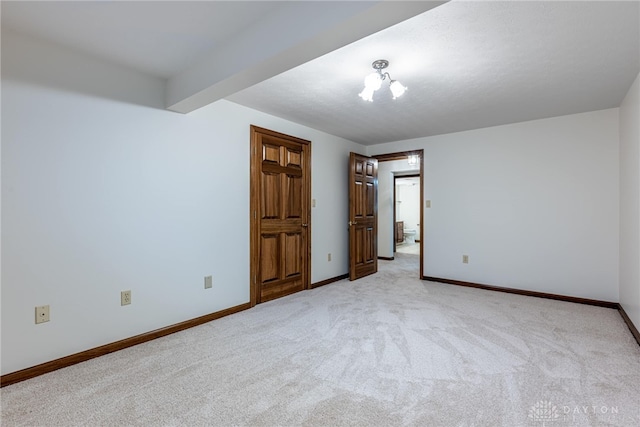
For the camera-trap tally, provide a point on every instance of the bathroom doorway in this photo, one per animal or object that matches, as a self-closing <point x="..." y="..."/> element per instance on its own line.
<point x="391" y="166"/>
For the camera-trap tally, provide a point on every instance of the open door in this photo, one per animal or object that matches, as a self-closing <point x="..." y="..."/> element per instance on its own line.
<point x="363" y="216"/>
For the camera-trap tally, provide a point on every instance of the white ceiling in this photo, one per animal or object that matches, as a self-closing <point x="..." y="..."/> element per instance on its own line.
<point x="158" y="38"/>
<point x="467" y="64"/>
<point x="205" y="50"/>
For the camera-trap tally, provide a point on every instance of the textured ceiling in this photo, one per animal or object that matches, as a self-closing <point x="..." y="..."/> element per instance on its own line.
<point x="205" y="50"/>
<point x="467" y="65"/>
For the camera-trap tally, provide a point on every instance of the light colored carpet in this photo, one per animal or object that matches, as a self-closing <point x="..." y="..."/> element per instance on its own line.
<point x="408" y="248"/>
<point x="386" y="350"/>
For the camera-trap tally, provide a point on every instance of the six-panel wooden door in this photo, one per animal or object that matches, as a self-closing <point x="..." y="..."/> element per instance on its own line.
<point x="280" y="202"/>
<point x="363" y="216"/>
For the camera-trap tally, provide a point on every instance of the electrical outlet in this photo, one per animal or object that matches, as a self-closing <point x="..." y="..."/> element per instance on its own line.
<point x="125" y="297"/>
<point x="42" y="314"/>
<point x="428" y="203"/>
<point x="313" y="203"/>
<point x="465" y="259"/>
<point x="208" y="282"/>
<point x="329" y="257"/>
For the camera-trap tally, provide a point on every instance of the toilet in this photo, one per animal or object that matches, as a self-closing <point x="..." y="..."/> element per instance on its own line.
<point x="409" y="236"/>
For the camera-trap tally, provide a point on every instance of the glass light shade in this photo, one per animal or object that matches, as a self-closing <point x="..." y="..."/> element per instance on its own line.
<point x="367" y="94"/>
<point x="373" y="81"/>
<point x="397" y="89"/>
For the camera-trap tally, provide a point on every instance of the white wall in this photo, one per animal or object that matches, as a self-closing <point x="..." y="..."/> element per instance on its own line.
<point x="103" y="191"/>
<point x="330" y="217"/>
<point x="630" y="203"/>
<point x="535" y="205"/>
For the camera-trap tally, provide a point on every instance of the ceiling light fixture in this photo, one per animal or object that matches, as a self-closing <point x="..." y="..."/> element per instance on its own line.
<point x="374" y="80"/>
<point x="413" y="159"/>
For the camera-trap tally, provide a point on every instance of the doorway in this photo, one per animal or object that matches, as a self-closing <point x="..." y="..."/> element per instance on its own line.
<point x="394" y="165"/>
<point x="280" y="205"/>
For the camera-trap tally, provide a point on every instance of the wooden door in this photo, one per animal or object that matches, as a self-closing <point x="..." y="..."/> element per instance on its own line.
<point x="280" y="203"/>
<point x="363" y="216"/>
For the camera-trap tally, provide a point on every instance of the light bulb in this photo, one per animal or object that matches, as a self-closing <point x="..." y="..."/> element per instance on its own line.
<point x="373" y="81"/>
<point x="367" y="94"/>
<point x="397" y="89"/>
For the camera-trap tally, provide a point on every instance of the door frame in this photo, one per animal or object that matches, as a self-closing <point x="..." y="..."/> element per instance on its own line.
<point x="403" y="155"/>
<point x="255" y="206"/>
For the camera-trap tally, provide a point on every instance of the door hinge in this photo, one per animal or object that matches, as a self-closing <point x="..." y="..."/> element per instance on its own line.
<point x="255" y="214"/>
